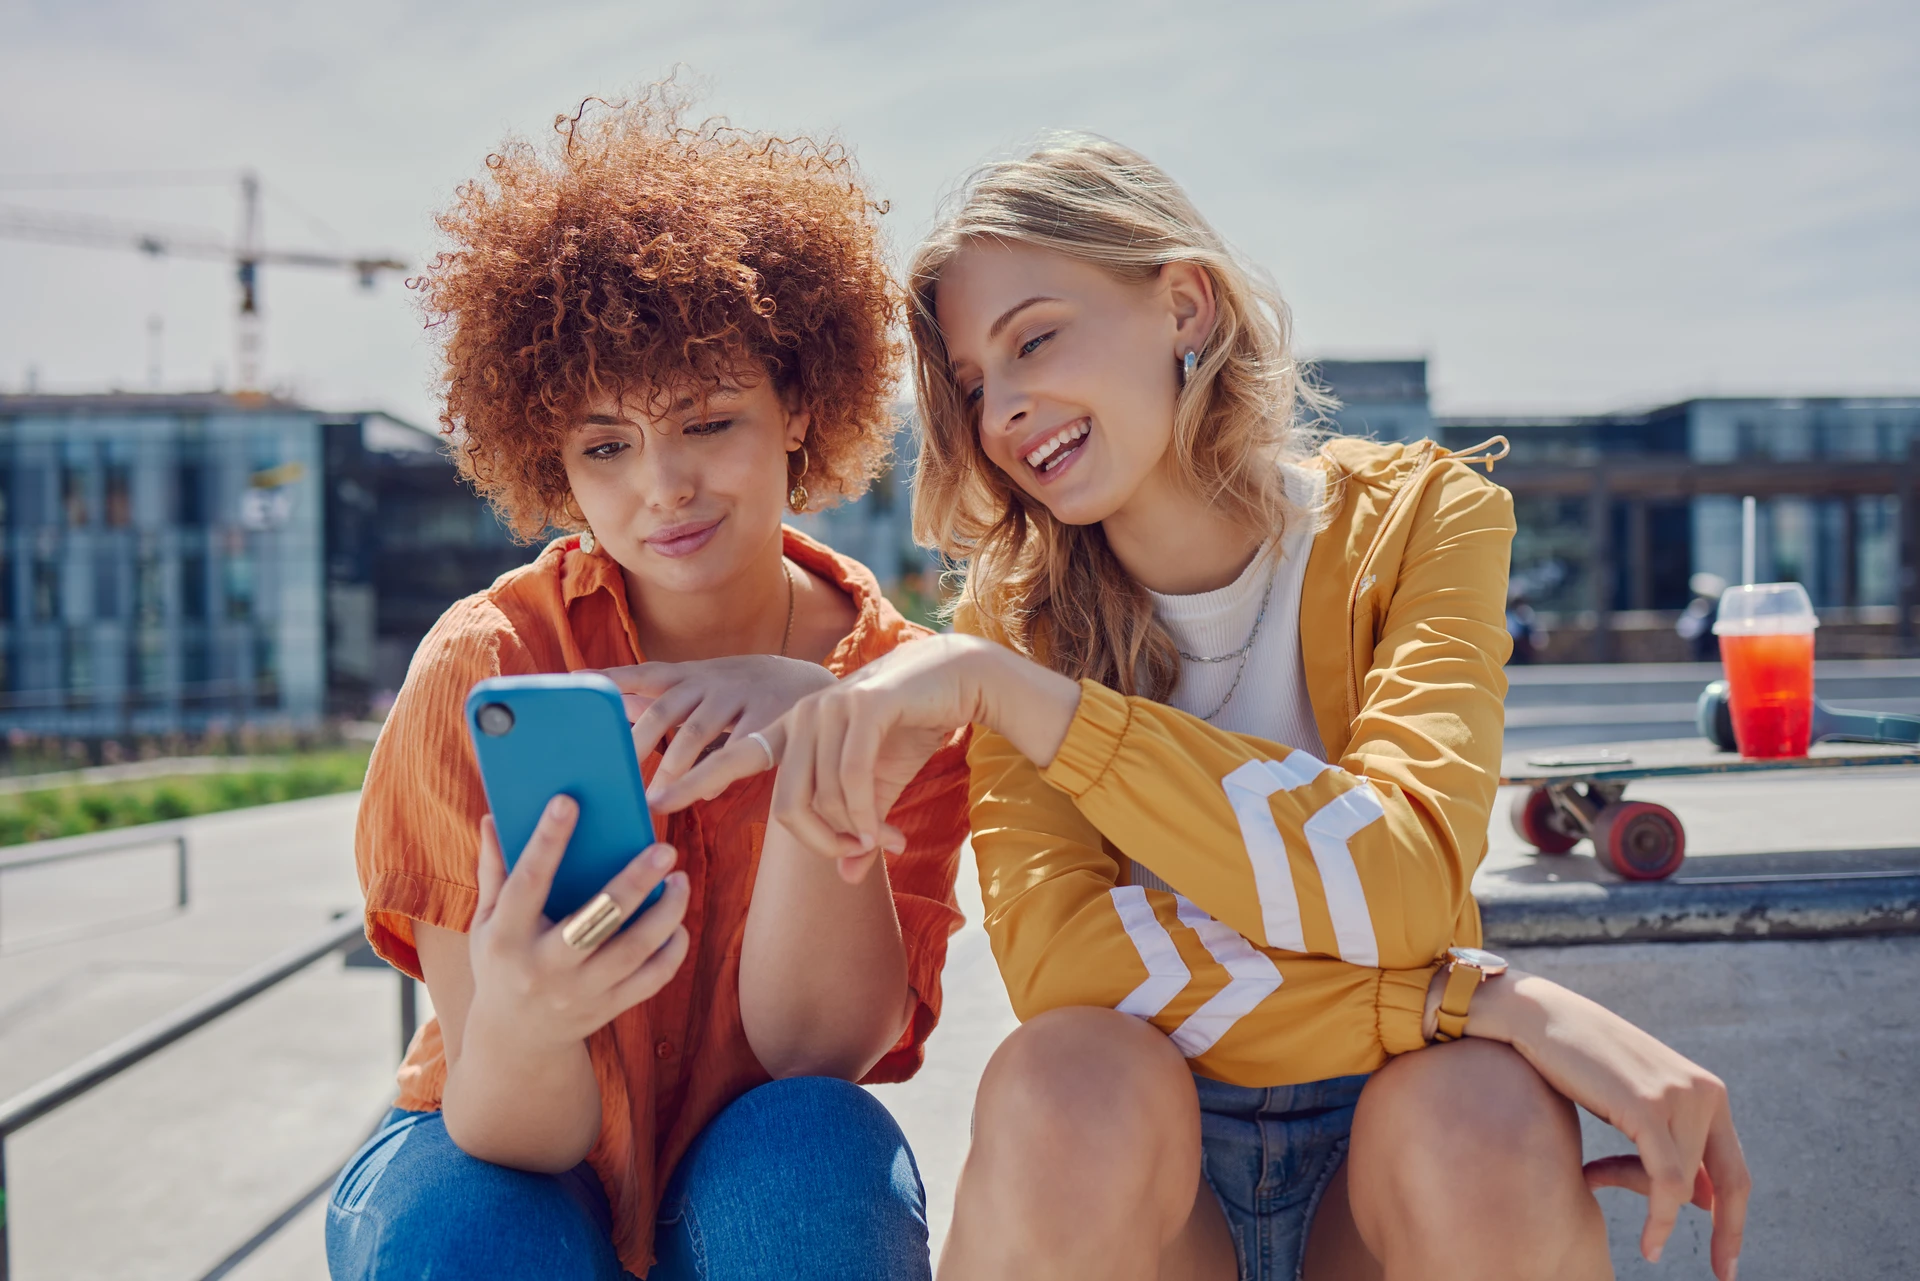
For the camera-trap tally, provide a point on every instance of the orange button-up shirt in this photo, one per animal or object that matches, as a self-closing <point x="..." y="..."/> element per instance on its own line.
<point x="667" y="1066"/>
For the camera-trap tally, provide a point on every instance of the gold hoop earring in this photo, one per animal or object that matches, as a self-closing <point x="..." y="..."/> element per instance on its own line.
<point x="587" y="541"/>
<point x="797" y="496"/>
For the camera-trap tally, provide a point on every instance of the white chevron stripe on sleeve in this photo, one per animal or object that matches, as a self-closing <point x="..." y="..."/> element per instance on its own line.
<point x="1247" y="791"/>
<point x="1167" y="974"/>
<point x="1252" y="978"/>
<point x="1328" y="832"/>
<point x="1248" y="788"/>
<point x="1296" y="769"/>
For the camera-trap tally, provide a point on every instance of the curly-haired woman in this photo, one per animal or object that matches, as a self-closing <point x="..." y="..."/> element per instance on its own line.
<point x="1240" y="692"/>
<point x="659" y="337"/>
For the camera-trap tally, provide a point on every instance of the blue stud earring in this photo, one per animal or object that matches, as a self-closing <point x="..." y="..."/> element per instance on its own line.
<point x="1188" y="363"/>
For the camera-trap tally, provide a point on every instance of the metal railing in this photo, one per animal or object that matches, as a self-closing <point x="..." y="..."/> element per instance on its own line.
<point x="22" y="1110"/>
<point x="67" y="848"/>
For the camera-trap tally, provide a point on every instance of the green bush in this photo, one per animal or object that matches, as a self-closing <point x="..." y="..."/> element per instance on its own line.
<point x="70" y="811"/>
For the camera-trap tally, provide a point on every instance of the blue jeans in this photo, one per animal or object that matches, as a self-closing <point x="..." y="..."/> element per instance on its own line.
<point x="808" y="1177"/>
<point x="1268" y="1154"/>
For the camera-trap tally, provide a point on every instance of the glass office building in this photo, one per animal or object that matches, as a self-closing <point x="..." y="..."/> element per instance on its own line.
<point x="1618" y="511"/>
<point x="174" y="562"/>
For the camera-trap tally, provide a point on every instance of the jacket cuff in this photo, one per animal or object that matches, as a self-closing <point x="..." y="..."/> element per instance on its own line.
<point x="1093" y="740"/>
<point x="1400" y="1005"/>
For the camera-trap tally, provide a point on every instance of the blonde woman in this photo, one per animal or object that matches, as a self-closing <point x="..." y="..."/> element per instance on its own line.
<point x="1240" y="691"/>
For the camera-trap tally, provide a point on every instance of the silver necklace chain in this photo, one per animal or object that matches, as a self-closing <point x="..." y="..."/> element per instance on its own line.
<point x="1243" y="653"/>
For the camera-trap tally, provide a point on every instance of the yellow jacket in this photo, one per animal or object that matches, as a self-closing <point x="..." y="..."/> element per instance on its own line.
<point x="1313" y="899"/>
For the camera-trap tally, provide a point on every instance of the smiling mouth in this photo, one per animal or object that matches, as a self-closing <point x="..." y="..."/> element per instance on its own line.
<point x="1057" y="448"/>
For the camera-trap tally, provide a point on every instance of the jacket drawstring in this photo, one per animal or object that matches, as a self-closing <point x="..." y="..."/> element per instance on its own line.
<point x="1475" y="454"/>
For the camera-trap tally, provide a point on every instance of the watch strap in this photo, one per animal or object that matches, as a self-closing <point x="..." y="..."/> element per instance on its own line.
<point x="1462" y="979"/>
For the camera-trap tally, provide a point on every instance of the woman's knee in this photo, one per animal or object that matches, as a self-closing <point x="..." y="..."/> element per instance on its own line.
<point x="815" y="1131"/>
<point x="1473" y="1106"/>
<point x="1474" y="1100"/>
<point x="1091" y="1089"/>
<point x="803" y="1177"/>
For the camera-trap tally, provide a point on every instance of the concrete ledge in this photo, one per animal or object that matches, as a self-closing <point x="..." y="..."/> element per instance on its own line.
<point x="1831" y="905"/>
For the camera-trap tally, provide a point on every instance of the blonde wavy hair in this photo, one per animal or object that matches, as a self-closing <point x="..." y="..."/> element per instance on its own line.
<point x="1056" y="592"/>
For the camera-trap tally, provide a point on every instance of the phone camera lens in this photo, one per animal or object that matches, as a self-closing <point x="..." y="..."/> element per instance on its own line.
<point x="495" y="719"/>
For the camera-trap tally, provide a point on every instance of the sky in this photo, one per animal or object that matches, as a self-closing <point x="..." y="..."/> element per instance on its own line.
<point x="1564" y="207"/>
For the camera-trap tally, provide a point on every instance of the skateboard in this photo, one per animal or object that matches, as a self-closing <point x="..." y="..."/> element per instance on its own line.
<point x="1579" y="792"/>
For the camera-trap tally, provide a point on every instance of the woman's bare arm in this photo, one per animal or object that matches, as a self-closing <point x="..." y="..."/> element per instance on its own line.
<point x="823" y="970"/>
<point x="529" y="1106"/>
<point x="516" y="1003"/>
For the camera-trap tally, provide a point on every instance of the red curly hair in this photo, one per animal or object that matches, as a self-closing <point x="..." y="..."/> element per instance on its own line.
<point x="641" y="252"/>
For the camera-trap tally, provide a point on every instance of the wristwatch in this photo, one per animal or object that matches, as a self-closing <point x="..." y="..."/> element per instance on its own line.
<point x="1467" y="969"/>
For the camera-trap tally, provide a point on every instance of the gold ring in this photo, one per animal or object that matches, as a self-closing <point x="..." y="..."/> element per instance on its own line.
<point x="593" y="924"/>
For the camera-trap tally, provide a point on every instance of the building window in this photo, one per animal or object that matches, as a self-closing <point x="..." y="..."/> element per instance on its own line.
<point x="238" y="581"/>
<point x="149" y="593"/>
<point x="150" y="665"/>
<point x="119" y="495"/>
<point x="1877" y="531"/>
<point x="193" y="584"/>
<point x="77" y="662"/>
<point x="46" y="588"/>
<point x="106" y="584"/>
<point x="189" y="494"/>
<point x="196" y="661"/>
<point x="73" y="493"/>
<point x="266" y="670"/>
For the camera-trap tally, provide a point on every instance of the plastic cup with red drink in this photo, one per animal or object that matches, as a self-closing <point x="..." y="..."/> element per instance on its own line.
<point x="1766" y="646"/>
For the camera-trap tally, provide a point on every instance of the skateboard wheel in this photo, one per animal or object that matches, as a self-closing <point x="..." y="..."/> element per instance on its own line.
<point x="1536" y="822"/>
<point x="1639" y="840"/>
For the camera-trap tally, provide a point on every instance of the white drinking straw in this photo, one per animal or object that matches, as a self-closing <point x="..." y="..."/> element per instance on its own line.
<point x="1749" y="512"/>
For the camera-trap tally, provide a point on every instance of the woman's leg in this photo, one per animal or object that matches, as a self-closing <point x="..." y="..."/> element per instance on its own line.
<point x="802" y="1178"/>
<point x="1463" y="1163"/>
<point x="411" y="1204"/>
<point x="1086" y="1160"/>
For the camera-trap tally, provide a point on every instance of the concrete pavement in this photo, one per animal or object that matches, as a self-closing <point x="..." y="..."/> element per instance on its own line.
<point x="158" y="1173"/>
<point x="161" y="1172"/>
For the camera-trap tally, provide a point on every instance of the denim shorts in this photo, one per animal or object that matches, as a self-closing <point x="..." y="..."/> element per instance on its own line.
<point x="1268" y="1154"/>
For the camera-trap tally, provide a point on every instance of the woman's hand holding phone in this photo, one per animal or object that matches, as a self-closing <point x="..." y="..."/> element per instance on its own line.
<point x="529" y="983"/>
<point x="701" y="702"/>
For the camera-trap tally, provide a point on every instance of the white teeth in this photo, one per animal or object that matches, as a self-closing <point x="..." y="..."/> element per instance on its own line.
<point x="1055" y="443"/>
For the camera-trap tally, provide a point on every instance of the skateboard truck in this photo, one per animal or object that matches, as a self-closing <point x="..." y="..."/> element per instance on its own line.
<point x="1714" y="719"/>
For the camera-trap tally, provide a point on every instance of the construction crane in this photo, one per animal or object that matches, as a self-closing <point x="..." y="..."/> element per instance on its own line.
<point x="247" y="255"/>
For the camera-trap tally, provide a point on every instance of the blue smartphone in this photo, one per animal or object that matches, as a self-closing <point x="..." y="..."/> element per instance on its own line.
<point x="539" y="736"/>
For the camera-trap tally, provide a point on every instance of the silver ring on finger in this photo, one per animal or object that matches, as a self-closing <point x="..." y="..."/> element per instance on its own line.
<point x="593" y="924"/>
<point x="766" y="747"/>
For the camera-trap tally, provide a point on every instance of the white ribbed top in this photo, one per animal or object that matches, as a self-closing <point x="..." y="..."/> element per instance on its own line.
<point x="1271" y="702"/>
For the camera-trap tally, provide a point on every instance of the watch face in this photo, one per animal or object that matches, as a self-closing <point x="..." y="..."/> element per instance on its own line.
<point x="1479" y="958"/>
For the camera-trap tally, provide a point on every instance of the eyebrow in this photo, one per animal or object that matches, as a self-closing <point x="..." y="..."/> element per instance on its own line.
<point x="1006" y="317"/>
<point x="723" y="392"/>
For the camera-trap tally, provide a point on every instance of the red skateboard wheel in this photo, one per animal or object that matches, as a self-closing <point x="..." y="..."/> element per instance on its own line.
<point x="1536" y="822"/>
<point x="1639" y="840"/>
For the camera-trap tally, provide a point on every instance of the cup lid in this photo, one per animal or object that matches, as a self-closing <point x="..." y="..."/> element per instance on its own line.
<point x="1758" y="609"/>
